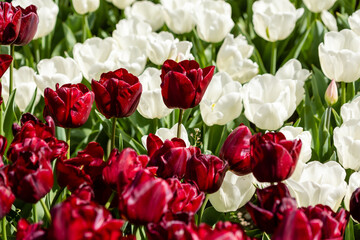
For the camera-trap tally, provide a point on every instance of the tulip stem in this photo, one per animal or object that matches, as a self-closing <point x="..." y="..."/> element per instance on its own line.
<point x="58" y="193"/>
<point x="328" y="118"/>
<point x="343" y="93"/>
<point x="68" y="133"/>
<point x="273" y="58"/>
<point x="203" y="208"/>
<point x="107" y="205"/>
<point x="181" y="112"/>
<point x="35" y="213"/>
<point x="113" y="133"/>
<point x="46" y="210"/>
<point x="85" y="28"/>
<point x="4" y="235"/>
<point x="11" y="83"/>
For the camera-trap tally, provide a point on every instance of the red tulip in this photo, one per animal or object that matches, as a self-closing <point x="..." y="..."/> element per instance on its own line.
<point x="69" y="105"/>
<point x="146" y="199"/>
<point x="27" y="231"/>
<point x="171" y="230"/>
<point x="355" y="205"/>
<point x="222" y="230"/>
<point x="6" y="196"/>
<point x="10" y="20"/>
<point x="5" y="61"/>
<point x="117" y="94"/>
<point x="3" y="144"/>
<point x="184" y="84"/>
<point x="273" y="158"/>
<point x="29" y="24"/>
<point x="236" y="150"/>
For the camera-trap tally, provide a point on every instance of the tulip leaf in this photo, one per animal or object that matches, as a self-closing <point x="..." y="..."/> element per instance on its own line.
<point x="69" y="37"/>
<point x="337" y="118"/>
<point x="31" y="106"/>
<point x="9" y="116"/>
<point x="349" y="231"/>
<point x="211" y="216"/>
<point x="265" y="237"/>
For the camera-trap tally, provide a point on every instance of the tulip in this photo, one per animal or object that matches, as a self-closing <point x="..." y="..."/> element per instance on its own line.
<point x="29" y="24"/>
<point x="318" y="6"/>
<point x="206" y="171"/>
<point x="7" y="197"/>
<point x="171" y="229"/>
<point x="273" y="158"/>
<point x="355" y="205"/>
<point x="354" y="22"/>
<point x="331" y="94"/>
<point x="222" y="230"/>
<point x="5" y="61"/>
<point x="47" y="12"/>
<point x="3" y="143"/>
<point x="57" y="70"/>
<point x="10" y="22"/>
<point x="121" y="4"/>
<point x="117" y="94"/>
<point x="146" y="199"/>
<point x="69" y="105"/>
<point x="183" y="84"/>
<point x="351" y="110"/>
<point x="354" y="183"/>
<point x="236" y="150"/>
<point x="25" y="230"/>
<point x="329" y="21"/>
<point x="85" y="6"/>
<point x="148" y="12"/>
<point x="275" y="203"/>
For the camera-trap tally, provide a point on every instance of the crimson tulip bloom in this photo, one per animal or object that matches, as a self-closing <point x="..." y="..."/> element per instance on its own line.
<point x="69" y="105"/>
<point x="206" y="171"/>
<point x="171" y="229"/>
<point x="222" y="230"/>
<point x="10" y="20"/>
<point x="184" y="84"/>
<point x="7" y="198"/>
<point x="146" y="199"/>
<point x="355" y="205"/>
<point x="117" y="94"/>
<point x="5" y="61"/>
<point x="273" y="158"/>
<point x="29" y="24"/>
<point x="28" y="231"/>
<point x="3" y="143"/>
<point x="236" y="150"/>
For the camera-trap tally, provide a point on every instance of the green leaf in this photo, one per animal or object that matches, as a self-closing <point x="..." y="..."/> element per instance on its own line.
<point x="211" y="216"/>
<point x="337" y="118"/>
<point x="69" y="37"/>
<point x="31" y="106"/>
<point x="265" y="237"/>
<point x="9" y="116"/>
<point x="349" y="231"/>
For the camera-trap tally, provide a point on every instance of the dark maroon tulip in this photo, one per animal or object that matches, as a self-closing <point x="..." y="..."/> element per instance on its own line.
<point x="3" y="144"/>
<point x="170" y="158"/>
<point x="222" y="230"/>
<point x="274" y="203"/>
<point x="236" y="150"/>
<point x="29" y="25"/>
<point x="10" y="20"/>
<point x="27" y="231"/>
<point x="86" y="167"/>
<point x="122" y="167"/>
<point x="184" y="84"/>
<point x="69" y="105"/>
<point x="153" y="143"/>
<point x="206" y="171"/>
<point x="146" y="199"/>
<point x="355" y="205"/>
<point x="273" y="158"/>
<point x="171" y="230"/>
<point x="117" y="94"/>
<point x="30" y="174"/>
<point x="6" y="196"/>
<point x="5" y="61"/>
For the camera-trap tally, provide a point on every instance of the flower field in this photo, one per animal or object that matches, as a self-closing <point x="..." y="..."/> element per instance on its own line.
<point x="169" y="119"/>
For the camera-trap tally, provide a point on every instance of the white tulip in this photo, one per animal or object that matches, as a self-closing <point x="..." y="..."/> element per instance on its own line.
<point x="354" y="22"/>
<point x="354" y="183"/>
<point x="292" y="133"/>
<point x="234" y="192"/>
<point x="165" y="133"/>
<point x="121" y="4"/>
<point x="47" y="11"/>
<point x="85" y="6"/>
<point x="24" y="83"/>
<point x="339" y="56"/>
<point x="148" y="12"/>
<point x="319" y="184"/>
<point x="318" y="5"/>
<point x="57" y="70"/>
<point x="222" y="101"/>
<point x="275" y="19"/>
<point x="351" y="110"/>
<point x="269" y="101"/>
<point x="162" y="46"/>
<point x="329" y="21"/>
<point x="213" y="20"/>
<point x="151" y="103"/>
<point x="233" y="58"/>
<point x="347" y="144"/>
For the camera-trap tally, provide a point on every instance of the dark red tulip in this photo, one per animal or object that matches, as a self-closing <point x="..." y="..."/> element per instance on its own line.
<point x="170" y="158"/>
<point x="29" y="25"/>
<point x="6" y="196"/>
<point x="10" y="20"/>
<point x="122" y="167"/>
<point x="206" y="171"/>
<point x="5" y="61"/>
<point x="184" y="84"/>
<point x="69" y="105"/>
<point x="273" y="158"/>
<point x="274" y="203"/>
<point x="3" y="144"/>
<point x="146" y="199"/>
<point x="27" y="231"/>
<point x="30" y="174"/>
<point x="236" y="150"/>
<point x="222" y="230"/>
<point x="355" y="205"/>
<point x="117" y="94"/>
<point x="171" y="230"/>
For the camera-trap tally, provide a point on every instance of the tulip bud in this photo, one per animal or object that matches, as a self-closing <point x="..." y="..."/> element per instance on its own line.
<point x="355" y="205"/>
<point x="331" y="94"/>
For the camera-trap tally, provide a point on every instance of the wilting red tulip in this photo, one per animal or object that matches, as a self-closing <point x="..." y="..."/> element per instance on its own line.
<point x="69" y="105"/>
<point x="146" y="199"/>
<point x="27" y="231"/>
<point x="236" y="150"/>
<point x="30" y="175"/>
<point x="170" y="158"/>
<point x="29" y="24"/>
<point x="117" y="94"/>
<point x="273" y="158"/>
<point x="206" y="171"/>
<point x="184" y="84"/>
<point x="10" y="20"/>
<point x="274" y="203"/>
<point x="6" y="196"/>
<point x="5" y="61"/>
<point x="355" y="205"/>
<point x="222" y="230"/>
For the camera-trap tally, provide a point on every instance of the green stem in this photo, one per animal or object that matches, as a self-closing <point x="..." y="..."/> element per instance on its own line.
<point x="328" y="118"/>
<point x="203" y="208"/>
<point x="58" y="193"/>
<point x="68" y="133"/>
<point x="11" y="84"/>
<point x="343" y="93"/>
<point x="107" y="205"/>
<point x="35" y="213"/>
<point x="46" y="210"/>
<point x="113" y="133"/>
<point x="273" y="58"/>
<point x="4" y="228"/>
<point x="85" y="27"/>
<point x="181" y="112"/>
